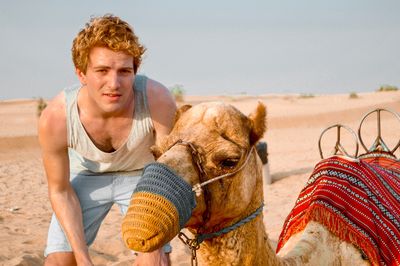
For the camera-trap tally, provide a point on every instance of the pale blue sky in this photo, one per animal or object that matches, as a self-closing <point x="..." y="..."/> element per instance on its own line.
<point x="213" y="47"/>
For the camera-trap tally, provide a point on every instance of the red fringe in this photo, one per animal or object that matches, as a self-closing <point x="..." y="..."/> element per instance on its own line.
<point x="337" y="226"/>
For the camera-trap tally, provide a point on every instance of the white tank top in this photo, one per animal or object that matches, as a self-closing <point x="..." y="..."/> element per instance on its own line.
<point x="85" y="158"/>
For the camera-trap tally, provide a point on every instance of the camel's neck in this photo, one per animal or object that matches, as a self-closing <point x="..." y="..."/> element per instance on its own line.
<point x="247" y="245"/>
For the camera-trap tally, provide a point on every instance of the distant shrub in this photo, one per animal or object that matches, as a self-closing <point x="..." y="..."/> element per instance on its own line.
<point x="353" y="95"/>
<point x="387" y="88"/>
<point x="306" y="95"/>
<point x="41" y="104"/>
<point x="178" y="92"/>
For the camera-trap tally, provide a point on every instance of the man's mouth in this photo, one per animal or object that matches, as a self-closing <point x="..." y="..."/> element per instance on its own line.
<point x="112" y="95"/>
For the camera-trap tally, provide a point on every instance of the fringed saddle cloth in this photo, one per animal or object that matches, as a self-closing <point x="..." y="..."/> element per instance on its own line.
<point x="358" y="200"/>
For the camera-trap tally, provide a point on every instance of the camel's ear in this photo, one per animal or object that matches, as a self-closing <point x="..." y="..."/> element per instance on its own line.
<point x="180" y="111"/>
<point x="155" y="150"/>
<point x="258" y="123"/>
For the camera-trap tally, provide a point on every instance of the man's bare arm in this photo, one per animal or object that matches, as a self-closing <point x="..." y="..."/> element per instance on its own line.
<point x="66" y="206"/>
<point x="162" y="108"/>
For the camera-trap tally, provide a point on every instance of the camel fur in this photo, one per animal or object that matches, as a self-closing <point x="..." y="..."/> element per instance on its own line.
<point x="224" y="136"/>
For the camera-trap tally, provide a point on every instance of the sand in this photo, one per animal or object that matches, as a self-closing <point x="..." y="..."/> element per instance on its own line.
<point x="294" y="126"/>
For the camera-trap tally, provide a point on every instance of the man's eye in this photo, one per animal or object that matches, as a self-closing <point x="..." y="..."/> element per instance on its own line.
<point x="126" y="71"/>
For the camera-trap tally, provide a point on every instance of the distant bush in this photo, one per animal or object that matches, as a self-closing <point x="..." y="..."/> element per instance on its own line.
<point x="353" y="95"/>
<point x="306" y="95"/>
<point x="178" y="92"/>
<point x="387" y="88"/>
<point x="41" y="104"/>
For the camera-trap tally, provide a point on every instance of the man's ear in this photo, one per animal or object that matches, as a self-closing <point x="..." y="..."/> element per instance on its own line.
<point x="81" y="76"/>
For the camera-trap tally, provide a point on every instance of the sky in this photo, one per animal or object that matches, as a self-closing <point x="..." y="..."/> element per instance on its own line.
<point x="212" y="47"/>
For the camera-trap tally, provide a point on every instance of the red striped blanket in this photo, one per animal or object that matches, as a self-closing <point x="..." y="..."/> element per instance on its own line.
<point x="357" y="200"/>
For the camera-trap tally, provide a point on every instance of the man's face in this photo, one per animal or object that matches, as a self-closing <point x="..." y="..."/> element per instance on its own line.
<point x="109" y="79"/>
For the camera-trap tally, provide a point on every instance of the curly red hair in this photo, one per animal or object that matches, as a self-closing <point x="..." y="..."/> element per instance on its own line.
<point x="106" y="31"/>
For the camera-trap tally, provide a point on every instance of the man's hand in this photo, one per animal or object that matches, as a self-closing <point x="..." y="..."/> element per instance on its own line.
<point x="155" y="258"/>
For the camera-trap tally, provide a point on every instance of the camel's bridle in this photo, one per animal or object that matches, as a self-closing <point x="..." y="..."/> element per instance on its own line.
<point x="194" y="244"/>
<point x="198" y="161"/>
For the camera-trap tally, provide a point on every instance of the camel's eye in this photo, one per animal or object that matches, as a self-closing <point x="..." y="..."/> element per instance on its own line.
<point x="229" y="163"/>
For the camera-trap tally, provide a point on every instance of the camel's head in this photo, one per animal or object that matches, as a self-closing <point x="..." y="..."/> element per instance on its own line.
<point x="210" y="140"/>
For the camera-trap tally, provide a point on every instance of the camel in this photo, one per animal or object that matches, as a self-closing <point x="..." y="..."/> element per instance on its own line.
<point x="222" y="138"/>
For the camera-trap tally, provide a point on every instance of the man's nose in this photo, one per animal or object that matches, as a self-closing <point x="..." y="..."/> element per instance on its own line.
<point x="114" y="80"/>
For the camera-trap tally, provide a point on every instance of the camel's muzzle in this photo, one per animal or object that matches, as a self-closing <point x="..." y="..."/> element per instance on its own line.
<point x="160" y="206"/>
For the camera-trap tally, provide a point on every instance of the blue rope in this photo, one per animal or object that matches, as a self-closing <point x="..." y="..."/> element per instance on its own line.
<point x="201" y="237"/>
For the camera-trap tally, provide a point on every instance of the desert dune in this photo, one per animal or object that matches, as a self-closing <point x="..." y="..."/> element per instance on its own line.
<point x="295" y="123"/>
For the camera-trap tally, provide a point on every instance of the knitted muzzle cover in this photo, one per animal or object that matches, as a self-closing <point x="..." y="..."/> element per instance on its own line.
<point x="160" y="206"/>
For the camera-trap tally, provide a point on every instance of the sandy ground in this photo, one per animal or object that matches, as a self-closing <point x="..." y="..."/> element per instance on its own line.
<point x="294" y="126"/>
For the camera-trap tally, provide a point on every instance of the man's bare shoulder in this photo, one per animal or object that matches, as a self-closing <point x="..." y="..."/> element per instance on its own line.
<point x="162" y="107"/>
<point x="52" y="126"/>
<point x="159" y="96"/>
<point x="54" y="111"/>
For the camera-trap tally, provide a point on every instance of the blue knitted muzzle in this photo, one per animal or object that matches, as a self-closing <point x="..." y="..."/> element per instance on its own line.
<point x="161" y="205"/>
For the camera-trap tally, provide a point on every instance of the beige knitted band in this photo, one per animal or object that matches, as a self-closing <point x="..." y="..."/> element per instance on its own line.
<point x="151" y="222"/>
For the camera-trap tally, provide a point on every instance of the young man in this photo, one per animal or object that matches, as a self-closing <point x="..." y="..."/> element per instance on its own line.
<point x="96" y="138"/>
